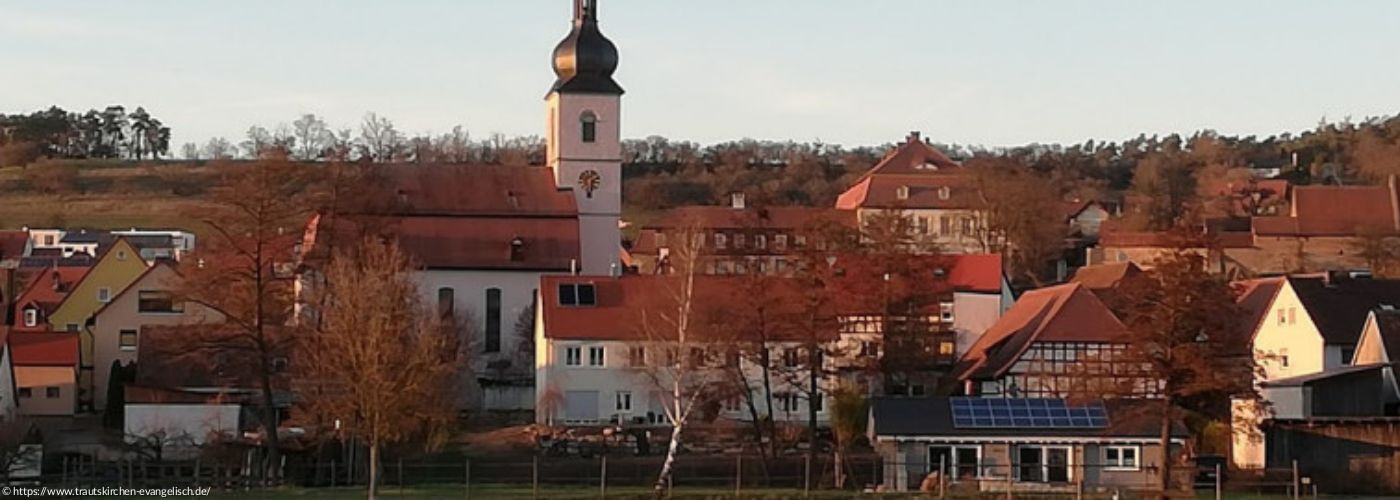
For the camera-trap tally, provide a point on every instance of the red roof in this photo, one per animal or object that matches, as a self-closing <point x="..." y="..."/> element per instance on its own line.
<point x="44" y="349"/>
<point x="157" y="395"/>
<point x="13" y="243"/>
<point x="41" y="293"/>
<point x="1255" y="297"/>
<point x="1111" y="235"/>
<point x="475" y="190"/>
<point x="1335" y="211"/>
<point x="1104" y="276"/>
<point x="1062" y="313"/>
<point x="921" y="168"/>
<point x="768" y="220"/>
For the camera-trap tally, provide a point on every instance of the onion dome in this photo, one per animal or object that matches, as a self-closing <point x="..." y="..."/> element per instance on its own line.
<point x="584" y="60"/>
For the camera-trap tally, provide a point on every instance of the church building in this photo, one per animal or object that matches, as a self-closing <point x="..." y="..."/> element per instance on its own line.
<point x="486" y="234"/>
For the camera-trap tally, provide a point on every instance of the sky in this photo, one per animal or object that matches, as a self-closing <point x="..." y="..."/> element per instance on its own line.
<point x="989" y="73"/>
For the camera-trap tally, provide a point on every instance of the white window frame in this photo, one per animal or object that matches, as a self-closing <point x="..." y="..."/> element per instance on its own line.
<point x="622" y="401"/>
<point x="780" y="241"/>
<point x="787" y="402"/>
<point x="573" y="356"/>
<point x="1045" y="467"/>
<point x="31" y="317"/>
<point x="135" y="338"/>
<point x="946" y="311"/>
<point x="104" y="295"/>
<point x="637" y="356"/>
<point x="1117" y="464"/>
<point x="597" y="356"/>
<point x="953" y="451"/>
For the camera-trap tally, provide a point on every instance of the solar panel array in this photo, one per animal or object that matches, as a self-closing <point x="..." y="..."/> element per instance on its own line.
<point x="1028" y="413"/>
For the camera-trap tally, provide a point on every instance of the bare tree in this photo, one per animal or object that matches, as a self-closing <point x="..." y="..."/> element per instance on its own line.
<point x="388" y="364"/>
<point x="379" y="141"/>
<point x="674" y="327"/>
<point x="259" y="209"/>
<point x="190" y="151"/>
<point x="312" y="137"/>
<point x="218" y="148"/>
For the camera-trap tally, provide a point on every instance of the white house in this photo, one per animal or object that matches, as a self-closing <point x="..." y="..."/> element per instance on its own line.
<point x="597" y="361"/>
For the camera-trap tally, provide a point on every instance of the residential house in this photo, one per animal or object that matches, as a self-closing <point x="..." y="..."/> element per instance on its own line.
<point x="1036" y="445"/>
<point x="596" y="361"/>
<point x="117" y="326"/>
<point x="42" y="294"/>
<point x="485" y="234"/>
<point x="1321" y="229"/>
<point x="43" y="239"/>
<point x="1084" y="217"/>
<point x="1045" y="346"/>
<point x="173" y="370"/>
<point x="46" y="372"/>
<point x="920" y="182"/>
<point x="736" y="239"/>
<point x="1380" y="344"/>
<point x="116" y="267"/>
<point x="160" y="243"/>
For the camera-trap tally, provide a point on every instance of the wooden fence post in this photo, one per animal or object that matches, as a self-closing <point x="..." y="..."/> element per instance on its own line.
<point x="535" y="477"/>
<point x="738" y="474"/>
<point x="603" y="479"/>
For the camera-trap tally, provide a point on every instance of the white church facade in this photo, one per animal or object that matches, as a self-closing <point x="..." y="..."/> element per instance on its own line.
<point x="485" y="235"/>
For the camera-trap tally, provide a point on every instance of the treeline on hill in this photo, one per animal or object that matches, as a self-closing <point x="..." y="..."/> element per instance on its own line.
<point x="1170" y="175"/>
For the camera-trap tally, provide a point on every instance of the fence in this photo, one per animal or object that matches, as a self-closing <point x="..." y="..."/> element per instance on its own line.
<point x="718" y="472"/>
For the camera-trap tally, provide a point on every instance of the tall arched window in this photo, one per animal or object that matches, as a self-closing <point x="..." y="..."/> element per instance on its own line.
<point x="493" y="320"/>
<point x="446" y="301"/>
<point x="589" y="124"/>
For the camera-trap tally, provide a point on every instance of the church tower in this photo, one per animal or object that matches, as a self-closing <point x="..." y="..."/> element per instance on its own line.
<point x="585" y="145"/>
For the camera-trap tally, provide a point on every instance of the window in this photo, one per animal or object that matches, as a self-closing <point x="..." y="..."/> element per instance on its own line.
<point x="1292" y="315"/>
<point x="787" y="401"/>
<point x="104" y="295"/>
<point x="52" y="392"/>
<point x="947" y="348"/>
<point x="1043" y="463"/>
<point x="624" y="401"/>
<point x="720" y="240"/>
<point x="1282" y="318"/>
<point x="760" y="241"/>
<point x="968" y="225"/>
<point x="157" y="301"/>
<point x="493" y="320"/>
<point x="279" y="364"/>
<point x="733" y="404"/>
<point x="72" y="328"/>
<point x="731" y="358"/>
<point x="958" y="462"/>
<point x="790" y="358"/>
<point x="916" y="390"/>
<point x="799" y="240"/>
<point x="121" y="254"/>
<point x="126" y="340"/>
<point x="637" y="356"/>
<point x="921" y="224"/>
<point x="780" y="241"/>
<point x="945" y="225"/>
<point x="31" y="317"/>
<point x="577" y="294"/>
<point x="25" y="392"/>
<point x="869" y="348"/>
<point x="517" y="250"/>
<point x="901" y="192"/>
<point x="1283" y="357"/>
<point x="944" y="192"/>
<point x="447" y="301"/>
<point x="697" y="357"/>
<point x="589" y="126"/>
<point x="739" y="240"/>
<point x="1120" y="458"/>
<point x="573" y="356"/>
<point x="595" y="356"/>
<point x="945" y="311"/>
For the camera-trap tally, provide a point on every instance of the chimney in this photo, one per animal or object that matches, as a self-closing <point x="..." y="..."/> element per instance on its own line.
<point x="736" y="200"/>
<point x="573" y="267"/>
<point x="57" y="281"/>
<point x="913" y="137"/>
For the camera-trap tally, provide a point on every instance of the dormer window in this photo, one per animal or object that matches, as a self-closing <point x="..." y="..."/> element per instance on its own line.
<point x="31" y="317"/>
<point x="721" y="240"/>
<point x="517" y="250"/>
<point x="588" y="124"/>
<point x="901" y="192"/>
<point x="578" y="294"/>
<point x="944" y="192"/>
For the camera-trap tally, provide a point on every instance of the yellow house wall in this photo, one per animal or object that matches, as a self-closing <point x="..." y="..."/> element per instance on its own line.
<point x="118" y="267"/>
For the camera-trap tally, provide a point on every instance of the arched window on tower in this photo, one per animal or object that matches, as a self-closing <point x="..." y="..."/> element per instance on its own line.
<point x="588" y="123"/>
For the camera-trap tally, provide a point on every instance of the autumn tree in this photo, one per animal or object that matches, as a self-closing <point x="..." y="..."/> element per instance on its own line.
<point x="1020" y="218"/>
<point x="1185" y="334"/>
<point x="385" y="362"/>
<point x="311" y="136"/>
<point x="256" y="217"/>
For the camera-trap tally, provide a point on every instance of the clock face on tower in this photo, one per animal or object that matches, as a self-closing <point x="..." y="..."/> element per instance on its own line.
<point x="590" y="181"/>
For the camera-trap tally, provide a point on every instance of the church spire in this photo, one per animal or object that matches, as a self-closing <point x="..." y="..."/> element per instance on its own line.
<point x="584" y="61"/>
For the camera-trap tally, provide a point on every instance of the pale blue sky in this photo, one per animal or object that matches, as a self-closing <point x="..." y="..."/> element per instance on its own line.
<point x="850" y="72"/>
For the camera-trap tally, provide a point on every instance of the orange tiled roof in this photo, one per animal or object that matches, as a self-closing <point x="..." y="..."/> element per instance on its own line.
<point x="1335" y="211"/>
<point x="1063" y="313"/>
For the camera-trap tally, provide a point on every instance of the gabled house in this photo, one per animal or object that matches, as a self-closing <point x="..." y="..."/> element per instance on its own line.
<point x="1380" y="344"/>
<point x="916" y="180"/>
<point x="117" y="326"/>
<point x="41" y="296"/>
<point x="46" y="372"/>
<point x="1311" y="323"/>
<point x="1047" y="334"/>
<point x="116" y="267"/>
